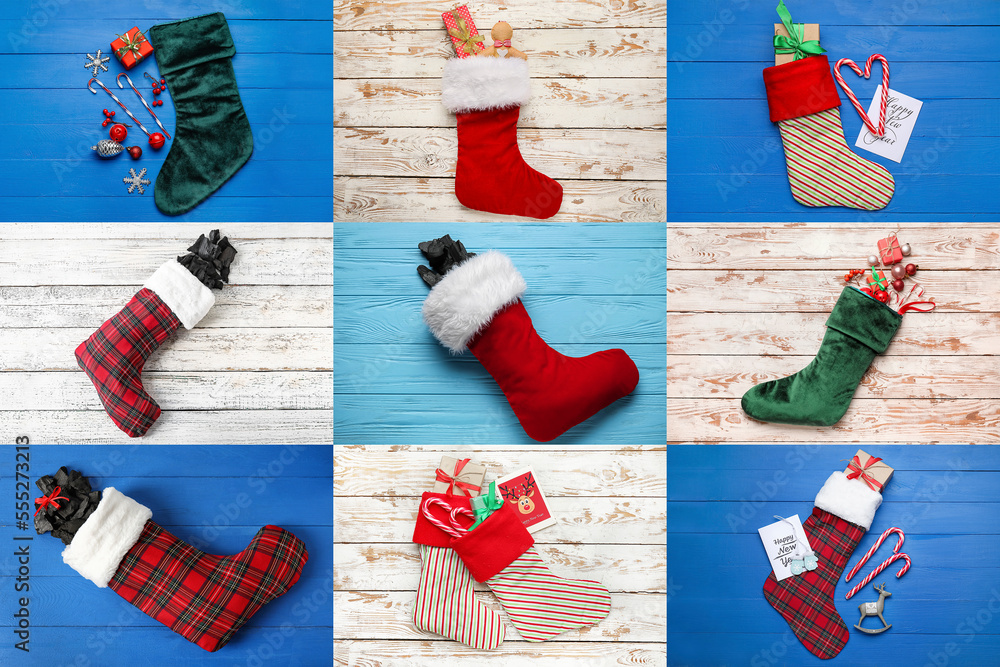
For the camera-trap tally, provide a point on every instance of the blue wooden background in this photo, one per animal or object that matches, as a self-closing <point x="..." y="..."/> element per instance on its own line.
<point x="944" y="611"/>
<point x="48" y="119"/>
<point x="191" y="491"/>
<point x="720" y="137"/>
<point x="590" y="287"/>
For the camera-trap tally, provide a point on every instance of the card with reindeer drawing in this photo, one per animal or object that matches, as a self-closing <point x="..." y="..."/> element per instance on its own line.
<point x="522" y="491"/>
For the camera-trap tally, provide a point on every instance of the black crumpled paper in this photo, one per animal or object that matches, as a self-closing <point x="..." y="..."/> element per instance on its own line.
<point x="443" y="255"/>
<point x="82" y="502"/>
<point x="209" y="258"/>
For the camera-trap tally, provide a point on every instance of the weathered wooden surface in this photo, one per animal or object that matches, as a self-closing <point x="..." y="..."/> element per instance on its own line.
<point x="610" y="506"/>
<point x="748" y="303"/>
<point x="597" y="111"/>
<point x="257" y="369"/>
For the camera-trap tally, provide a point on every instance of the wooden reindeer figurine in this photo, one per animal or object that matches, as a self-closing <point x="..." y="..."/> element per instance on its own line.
<point x="501" y="47"/>
<point x="874" y="609"/>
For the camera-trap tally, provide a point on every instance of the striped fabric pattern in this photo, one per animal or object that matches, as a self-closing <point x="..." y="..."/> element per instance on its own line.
<point x="542" y="605"/>
<point x="446" y="606"/>
<point x="823" y="171"/>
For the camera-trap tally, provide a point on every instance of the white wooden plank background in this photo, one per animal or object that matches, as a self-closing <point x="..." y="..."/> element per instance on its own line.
<point x="748" y="303"/>
<point x="610" y="503"/>
<point x="596" y="121"/>
<point x="257" y="369"/>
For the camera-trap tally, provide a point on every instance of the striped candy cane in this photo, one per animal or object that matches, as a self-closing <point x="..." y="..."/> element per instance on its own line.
<point x="141" y="99"/>
<point x="886" y="563"/>
<point x="124" y="108"/>
<point x="453" y="513"/>
<point x="878" y="543"/>
<point x="880" y="130"/>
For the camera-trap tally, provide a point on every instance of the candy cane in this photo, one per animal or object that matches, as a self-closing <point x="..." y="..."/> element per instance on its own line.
<point x="886" y="563"/>
<point x="878" y="543"/>
<point x="124" y="108"/>
<point x="425" y="509"/>
<point x="880" y="130"/>
<point x="141" y="99"/>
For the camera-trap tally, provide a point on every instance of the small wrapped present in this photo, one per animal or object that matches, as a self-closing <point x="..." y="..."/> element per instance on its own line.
<point x="877" y="280"/>
<point x="131" y="48"/>
<point x="889" y="251"/>
<point x="459" y="477"/>
<point x="870" y="470"/>
<point x="794" y="41"/>
<point x="462" y="30"/>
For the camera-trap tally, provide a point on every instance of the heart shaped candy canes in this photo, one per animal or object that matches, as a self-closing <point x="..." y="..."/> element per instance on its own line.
<point x="880" y="130"/>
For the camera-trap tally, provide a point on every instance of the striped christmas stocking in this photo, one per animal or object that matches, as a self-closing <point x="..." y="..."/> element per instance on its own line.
<point x="843" y="511"/>
<point x="822" y="170"/>
<point x="445" y="604"/>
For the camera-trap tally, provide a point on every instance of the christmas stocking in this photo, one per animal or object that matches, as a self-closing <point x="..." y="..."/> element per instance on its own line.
<point x="202" y="597"/>
<point x="478" y="305"/>
<point x="445" y="604"/>
<point x="843" y="511"/>
<point x="213" y="138"/>
<point x="486" y="94"/>
<point x="177" y="293"/>
<point x="500" y="552"/>
<point x="822" y="170"/>
<point x="858" y="328"/>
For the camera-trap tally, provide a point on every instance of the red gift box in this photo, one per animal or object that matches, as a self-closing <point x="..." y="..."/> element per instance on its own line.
<point x="131" y="48"/>
<point x="889" y="251"/>
<point x="880" y="283"/>
<point x="462" y="30"/>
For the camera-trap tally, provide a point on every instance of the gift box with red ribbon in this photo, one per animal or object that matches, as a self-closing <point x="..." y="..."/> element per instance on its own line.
<point x="871" y="470"/>
<point x="459" y="477"/>
<point x="462" y="30"/>
<point x="131" y="48"/>
<point x="889" y="251"/>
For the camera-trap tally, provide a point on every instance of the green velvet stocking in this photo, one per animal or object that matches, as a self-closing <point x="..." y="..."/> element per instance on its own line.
<point x="212" y="139"/>
<point x="858" y="328"/>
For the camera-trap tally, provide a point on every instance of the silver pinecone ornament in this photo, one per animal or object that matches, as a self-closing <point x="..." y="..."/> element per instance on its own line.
<point x="107" y="148"/>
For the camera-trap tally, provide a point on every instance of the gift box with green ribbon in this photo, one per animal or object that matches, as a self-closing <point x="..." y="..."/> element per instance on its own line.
<point x="131" y="48"/>
<point x="794" y="41"/>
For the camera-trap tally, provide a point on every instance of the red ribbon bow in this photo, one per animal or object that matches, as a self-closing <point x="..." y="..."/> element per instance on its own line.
<point x="501" y="42"/>
<point x="861" y="471"/>
<point x="452" y="480"/>
<point x="50" y="499"/>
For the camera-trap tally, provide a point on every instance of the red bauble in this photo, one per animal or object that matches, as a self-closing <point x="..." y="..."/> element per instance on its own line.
<point x="118" y="132"/>
<point x="156" y="140"/>
<point x="897" y="285"/>
<point x="135" y="152"/>
<point x="911" y="269"/>
<point x="882" y="296"/>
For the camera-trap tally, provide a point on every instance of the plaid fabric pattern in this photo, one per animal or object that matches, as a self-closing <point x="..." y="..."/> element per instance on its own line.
<point x="114" y="355"/>
<point x="206" y="598"/>
<point x="806" y="600"/>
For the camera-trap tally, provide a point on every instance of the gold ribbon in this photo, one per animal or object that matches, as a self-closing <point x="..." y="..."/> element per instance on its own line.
<point x="464" y="36"/>
<point x="132" y="44"/>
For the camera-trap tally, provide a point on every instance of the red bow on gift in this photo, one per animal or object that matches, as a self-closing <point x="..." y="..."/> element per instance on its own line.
<point x="452" y="480"/>
<point x="861" y="471"/>
<point x="50" y="499"/>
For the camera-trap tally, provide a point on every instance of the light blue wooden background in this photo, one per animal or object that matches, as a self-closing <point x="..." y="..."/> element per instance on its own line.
<point x="945" y="499"/>
<point x="590" y="287"/>
<point x="942" y="53"/>
<point x="191" y="491"/>
<point x="48" y="119"/>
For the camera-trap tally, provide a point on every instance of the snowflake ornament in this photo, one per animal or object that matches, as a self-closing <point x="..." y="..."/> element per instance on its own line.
<point x="95" y="62"/>
<point x="137" y="181"/>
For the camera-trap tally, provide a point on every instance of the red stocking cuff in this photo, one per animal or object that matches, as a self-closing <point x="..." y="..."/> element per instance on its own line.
<point x="494" y="545"/>
<point x="800" y="88"/>
<point x="425" y="532"/>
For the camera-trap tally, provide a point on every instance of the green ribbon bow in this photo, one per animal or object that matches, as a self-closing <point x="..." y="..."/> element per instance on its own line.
<point x="131" y="44"/>
<point x="485" y="504"/>
<point x="464" y="35"/>
<point x="793" y="43"/>
<point x="881" y="283"/>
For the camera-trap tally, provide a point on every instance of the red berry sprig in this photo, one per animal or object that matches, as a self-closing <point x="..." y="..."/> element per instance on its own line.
<point x="109" y="117"/>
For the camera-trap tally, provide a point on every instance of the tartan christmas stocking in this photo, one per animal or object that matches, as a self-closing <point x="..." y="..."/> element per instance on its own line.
<point x="822" y="170"/>
<point x="843" y="511"/>
<point x="177" y="293"/>
<point x="445" y="603"/>
<point x="202" y="597"/>
<point x="858" y="328"/>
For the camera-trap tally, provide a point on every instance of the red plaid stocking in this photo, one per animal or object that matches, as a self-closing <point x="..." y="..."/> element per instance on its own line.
<point x="843" y="512"/>
<point x="114" y="355"/>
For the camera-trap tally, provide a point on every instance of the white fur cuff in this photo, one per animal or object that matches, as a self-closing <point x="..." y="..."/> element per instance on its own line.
<point x="850" y="499"/>
<point x="186" y="296"/>
<point x="105" y="537"/>
<point x="469" y="295"/>
<point x="480" y="83"/>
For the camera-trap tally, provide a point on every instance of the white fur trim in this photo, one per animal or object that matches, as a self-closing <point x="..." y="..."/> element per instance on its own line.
<point x="480" y="83"/>
<point x="106" y="536"/>
<point x="186" y="295"/>
<point x="850" y="499"/>
<point x="469" y="295"/>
